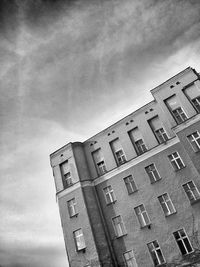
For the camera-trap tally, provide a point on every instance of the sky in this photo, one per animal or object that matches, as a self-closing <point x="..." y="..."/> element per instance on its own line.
<point x="68" y="69"/>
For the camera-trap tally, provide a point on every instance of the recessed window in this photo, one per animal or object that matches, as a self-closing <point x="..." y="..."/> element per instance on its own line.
<point x="175" y="108"/>
<point x="152" y="173"/>
<point x="183" y="242"/>
<point x="142" y="215"/>
<point x="66" y="174"/>
<point x="129" y="259"/>
<point x="176" y="161"/>
<point x="118" y="225"/>
<point x="194" y="140"/>
<point x="130" y="184"/>
<point x="137" y="141"/>
<point x="79" y="240"/>
<point x="99" y="161"/>
<point x="158" y="129"/>
<point x="191" y="191"/>
<point x="193" y="93"/>
<point x="166" y="204"/>
<point x="109" y="195"/>
<point x="118" y="152"/>
<point x="156" y="253"/>
<point x="72" y="207"/>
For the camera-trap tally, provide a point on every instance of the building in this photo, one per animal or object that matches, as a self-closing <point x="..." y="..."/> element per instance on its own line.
<point x="130" y="195"/>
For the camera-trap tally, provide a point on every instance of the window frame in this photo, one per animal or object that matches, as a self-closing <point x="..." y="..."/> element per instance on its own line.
<point x="165" y="202"/>
<point x="130" y="183"/>
<point x="83" y="247"/>
<point x="121" y="226"/>
<point x="121" y="159"/>
<point x="111" y="195"/>
<point x="188" y="195"/>
<point x="151" y="174"/>
<point x="75" y="213"/>
<point x="101" y="170"/>
<point x="161" y="135"/>
<point x="142" y="222"/>
<point x="194" y="141"/>
<point x="134" y="262"/>
<point x="186" y="237"/>
<point x="140" y="148"/>
<point x="176" y="166"/>
<point x="156" y="253"/>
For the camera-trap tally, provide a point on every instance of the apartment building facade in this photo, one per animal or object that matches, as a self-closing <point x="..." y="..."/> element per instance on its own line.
<point x="130" y="195"/>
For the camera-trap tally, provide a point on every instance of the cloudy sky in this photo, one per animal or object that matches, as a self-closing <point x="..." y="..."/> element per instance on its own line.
<point x="68" y="69"/>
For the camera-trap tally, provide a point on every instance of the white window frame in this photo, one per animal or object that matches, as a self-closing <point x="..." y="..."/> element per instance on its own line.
<point x="130" y="184"/>
<point x="174" y="161"/>
<point x="196" y="103"/>
<point x="72" y="207"/>
<point x="152" y="171"/>
<point x="118" y="226"/>
<point x="179" y="114"/>
<point x="155" y="249"/>
<point x="79" y="239"/>
<point x="182" y="240"/>
<point x="140" y="147"/>
<point x="189" y="188"/>
<point x="142" y="216"/>
<point x="101" y="167"/>
<point x="166" y="204"/>
<point x="129" y="261"/>
<point x="109" y="194"/>
<point x="161" y="135"/>
<point x="67" y="177"/>
<point x="120" y="156"/>
<point x="194" y="141"/>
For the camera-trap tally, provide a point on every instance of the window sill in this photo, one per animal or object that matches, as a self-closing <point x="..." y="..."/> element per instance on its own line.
<point x="65" y="187"/>
<point x="177" y="170"/>
<point x="75" y="215"/>
<point x="195" y="201"/>
<point x="108" y="204"/>
<point x="118" y="237"/>
<point x="156" y="181"/>
<point x="131" y="193"/>
<point x="146" y="226"/>
<point x="168" y="215"/>
<point x="81" y="250"/>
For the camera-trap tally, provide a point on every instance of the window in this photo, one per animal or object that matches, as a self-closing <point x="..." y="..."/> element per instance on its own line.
<point x="72" y="207"/>
<point x="183" y="242"/>
<point x="166" y="204"/>
<point x="130" y="184"/>
<point x="176" y="161"/>
<point x="118" y="152"/>
<point x="193" y="93"/>
<point x="191" y="191"/>
<point x="152" y="173"/>
<point x="156" y="253"/>
<point x="194" y="140"/>
<point x="142" y="215"/>
<point x="79" y="240"/>
<point x="137" y="141"/>
<point x="99" y="162"/>
<point x="109" y="194"/>
<point x="129" y="259"/>
<point x="158" y="129"/>
<point x="176" y="109"/>
<point x="66" y="174"/>
<point x="118" y="226"/>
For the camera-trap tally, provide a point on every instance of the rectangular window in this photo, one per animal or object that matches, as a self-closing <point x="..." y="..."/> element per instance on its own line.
<point x="109" y="194"/>
<point x="72" y="207"/>
<point x="176" y="161"/>
<point x="152" y="173"/>
<point x="130" y="184"/>
<point x="129" y="259"/>
<point x="118" y="226"/>
<point x="183" y="242"/>
<point x="118" y="152"/>
<point x="99" y="161"/>
<point x="142" y="215"/>
<point x="191" y="191"/>
<point x="66" y="174"/>
<point x="166" y="204"/>
<point x="176" y="109"/>
<point x="156" y="253"/>
<point x="137" y="141"/>
<point x="194" y="140"/>
<point x="79" y="239"/>
<point x="158" y="129"/>
<point x="193" y="93"/>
